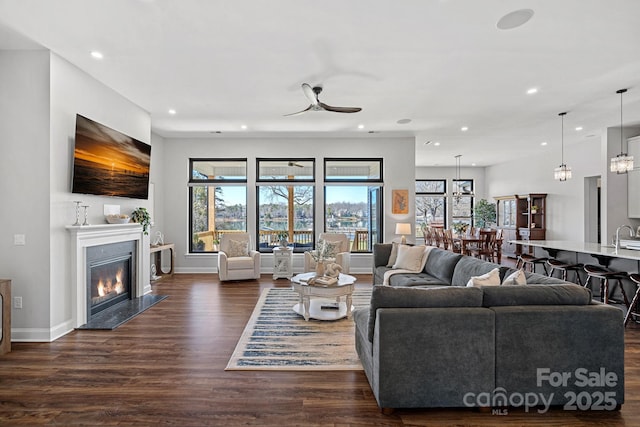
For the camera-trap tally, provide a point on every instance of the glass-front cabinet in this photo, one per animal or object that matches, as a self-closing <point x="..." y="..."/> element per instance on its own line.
<point x="521" y="218"/>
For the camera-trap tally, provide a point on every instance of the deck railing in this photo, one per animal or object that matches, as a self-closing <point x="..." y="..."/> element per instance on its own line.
<point x="270" y="238"/>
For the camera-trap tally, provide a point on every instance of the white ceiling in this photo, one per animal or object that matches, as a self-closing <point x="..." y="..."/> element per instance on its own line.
<point x="441" y="63"/>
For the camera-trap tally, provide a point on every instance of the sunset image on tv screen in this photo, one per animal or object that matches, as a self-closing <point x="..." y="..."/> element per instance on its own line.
<point x="107" y="162"/>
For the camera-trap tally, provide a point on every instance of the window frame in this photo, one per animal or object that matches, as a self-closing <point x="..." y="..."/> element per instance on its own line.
<point x="375" y="185"/>
<point x="259" y="179"/>
<point x="284" y="182"/>
<point x="442" y="195"/>
<point x="380" y="161"/>
<point x="212" y="183"/>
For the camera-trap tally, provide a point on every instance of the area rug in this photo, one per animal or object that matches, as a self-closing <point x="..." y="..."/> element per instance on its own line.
<point x="276" y="338"/>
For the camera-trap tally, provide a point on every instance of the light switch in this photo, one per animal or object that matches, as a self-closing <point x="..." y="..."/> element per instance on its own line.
<point x="19" y="239"/>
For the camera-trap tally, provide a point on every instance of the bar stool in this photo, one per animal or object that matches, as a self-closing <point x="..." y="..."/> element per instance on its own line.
<point x="564" y="267"/>
<point x="604" y="275"/>
<point x="526" y="260"/>
<point x="635" y="278"/>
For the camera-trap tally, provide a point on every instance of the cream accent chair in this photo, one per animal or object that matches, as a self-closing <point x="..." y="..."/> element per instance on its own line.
<point x="343" y="257"/>
<point x="237" y="267"/>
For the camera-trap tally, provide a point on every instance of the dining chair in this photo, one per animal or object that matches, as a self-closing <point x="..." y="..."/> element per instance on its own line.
<point x="485" y="247"/>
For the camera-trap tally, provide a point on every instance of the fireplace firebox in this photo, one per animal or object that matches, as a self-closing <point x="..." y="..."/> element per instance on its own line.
<point x="111" y="277"/>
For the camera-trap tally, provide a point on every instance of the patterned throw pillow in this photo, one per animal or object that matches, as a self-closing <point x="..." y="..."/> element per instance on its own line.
<point x="238" y="248"/>
<point x="331" y="249"/>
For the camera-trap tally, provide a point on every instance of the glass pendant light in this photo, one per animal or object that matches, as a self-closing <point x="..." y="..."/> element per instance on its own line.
<point x="622" y="163"/>
<point x="562" y="172"/>
<point x="457" y="194"/>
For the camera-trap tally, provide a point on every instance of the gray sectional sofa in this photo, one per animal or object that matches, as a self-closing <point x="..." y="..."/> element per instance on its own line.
<point x="430" y="341"/>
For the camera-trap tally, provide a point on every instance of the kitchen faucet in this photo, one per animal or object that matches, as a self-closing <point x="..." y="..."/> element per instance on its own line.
<point x="631" y="234"/>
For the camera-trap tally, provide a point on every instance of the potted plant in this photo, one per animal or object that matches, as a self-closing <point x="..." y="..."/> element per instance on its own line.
<point x="282" y="238"/>
<point x="198" y="243"/>
<point x="534" y="209"/>
<point x="484" y="213"/>
<point x="142" y="217"/>
<point x="215" y="243"/>
<point x="459" y="227"/>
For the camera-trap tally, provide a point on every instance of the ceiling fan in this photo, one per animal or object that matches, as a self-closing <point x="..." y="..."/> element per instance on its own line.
<point x="312" y="93"/>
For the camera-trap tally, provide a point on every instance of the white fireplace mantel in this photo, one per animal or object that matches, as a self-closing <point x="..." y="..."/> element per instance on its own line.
<point x="85" y="236"/>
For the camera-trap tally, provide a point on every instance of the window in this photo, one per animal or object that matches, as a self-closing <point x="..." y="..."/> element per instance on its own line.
<point x="462" y="201"/>
<point x="285" y="203"/>
<point x="431" y="208"/>
<point x="353" y="195"/>
<point x="217" y="199"/>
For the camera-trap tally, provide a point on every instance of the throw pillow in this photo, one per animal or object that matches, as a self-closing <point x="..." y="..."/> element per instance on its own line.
<point x="326" y="249"/>
<point x="394" y="254"/>
<point x="411" y="258"/>
<point x="491" y="278"/>
<point x="331" y="249"/>
<point x="516" y="278"/>
<point x="238" y="248"/>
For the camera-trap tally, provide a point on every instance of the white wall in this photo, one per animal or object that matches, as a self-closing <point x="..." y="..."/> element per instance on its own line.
<point x="566" y="200"/>
<point x="614" y="186"/>
<point x="37" y="124"/>
<point x="24" y="183"/>
<point x="399" y="173"/>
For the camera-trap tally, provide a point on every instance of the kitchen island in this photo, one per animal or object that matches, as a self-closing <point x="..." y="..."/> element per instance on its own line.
<point x="626" y="260"/>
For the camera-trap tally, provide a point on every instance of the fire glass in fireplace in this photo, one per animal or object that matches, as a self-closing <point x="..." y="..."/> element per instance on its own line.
<point x="110" y="275"/>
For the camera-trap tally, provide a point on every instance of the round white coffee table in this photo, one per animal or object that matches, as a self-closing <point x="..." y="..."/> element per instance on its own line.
<point x="323" y="302"/>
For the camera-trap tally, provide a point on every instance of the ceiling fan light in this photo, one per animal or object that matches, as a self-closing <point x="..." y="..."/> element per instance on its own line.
<point x="562" y="173"/>
<point x="622" y="163"/>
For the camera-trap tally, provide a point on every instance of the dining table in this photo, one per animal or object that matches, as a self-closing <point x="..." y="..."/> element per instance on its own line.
<point x="465" y="242"/>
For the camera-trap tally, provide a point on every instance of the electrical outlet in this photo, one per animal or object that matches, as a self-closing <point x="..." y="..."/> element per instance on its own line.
<point x="17" y="302"/>
<point x="19" y="239"/>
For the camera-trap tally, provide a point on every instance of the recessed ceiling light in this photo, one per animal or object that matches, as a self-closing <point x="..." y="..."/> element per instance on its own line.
<point x="473" y="164"/>
<point x="360" y="126"/>
<point x="172" y="111"/>
<point x="514" y="19"/>
<point x="437" y="144"/>
<point x="543" y="143"/>
<point x="464" y="128"/>
<point x="97" y="55"/>
<point x="403" y="121"/>
<point x="532" y="91"/>
<point x="579" y="128"/>
<point x="243" y="127"/>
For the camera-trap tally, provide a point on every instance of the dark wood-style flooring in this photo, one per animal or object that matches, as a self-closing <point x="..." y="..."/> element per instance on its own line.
<point x="166" y="366"/>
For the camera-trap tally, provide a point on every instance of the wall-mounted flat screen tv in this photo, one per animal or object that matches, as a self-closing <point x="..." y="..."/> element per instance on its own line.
<point x="109" y="163"/>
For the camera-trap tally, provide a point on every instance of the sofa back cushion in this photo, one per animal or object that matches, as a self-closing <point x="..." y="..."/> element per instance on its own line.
<point x="569" y="294"/>
<point x="440" y="264"/>
<point x="469" y="267"/>
<point x="390" y="297"/>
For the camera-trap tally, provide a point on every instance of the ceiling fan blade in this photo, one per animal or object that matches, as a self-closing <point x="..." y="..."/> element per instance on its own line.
<point x="310" y="94"/>
<point x="300" y="112"/>
<point x="340" y="109"/>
